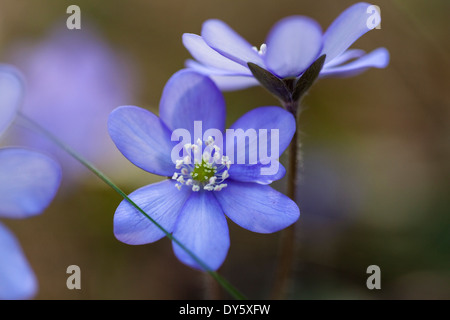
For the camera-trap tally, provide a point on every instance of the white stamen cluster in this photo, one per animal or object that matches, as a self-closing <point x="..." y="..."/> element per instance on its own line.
<point x="262" y="49"/>
<point x="208" y="171"/>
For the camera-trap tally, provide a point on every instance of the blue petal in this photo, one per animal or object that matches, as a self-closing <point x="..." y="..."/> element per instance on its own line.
<point x="255" y="173"/>
<point x="274" y="121"/>
<point x="231" y="83"/>
<point x="219" y="36"/>
<point x="345" y="57"/>
<point x="17" y="279"/>
<point x="28" y="182"/>
<point x="293" y="44"/>
<point x="208" y="70"/>
<point x="189" y="96"/>
<point x="378" y="58"/>
<point x="209" y="57"/>
<point x="142" y="138"/>
<point x="347" y="28"/>
<point x="203" y="229"/>
<point x="258" y="208"/>
<point x="224" y="80"/>
<point x="11" y="93"/>
<point x="161" y="201"/>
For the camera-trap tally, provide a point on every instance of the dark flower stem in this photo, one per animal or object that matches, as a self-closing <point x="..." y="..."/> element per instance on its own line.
<point x="287" y="239"/>
<point x="290" y="92"/>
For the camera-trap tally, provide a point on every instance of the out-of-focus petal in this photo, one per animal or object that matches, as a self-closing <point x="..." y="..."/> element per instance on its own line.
<point x="202" y="228"/>
<point x="379" y="58"/>
<point x="11" y="94"/>
<point x="219" y="36"/>
<point x="162" y="201"/>
<point x="17" y="279"/>
<point x="211" y="58"/>
<point x="28" y="182"/>
<point x="347" y="28"/>
<point x="73" y="81"/>
<point x="270" y="127"/>
<point x="293" y="44"/>
<point x="258" y="173"/>
<point x="190" y="96"/>
<point x="258" y="208"/>
<point x="142" y="138"/>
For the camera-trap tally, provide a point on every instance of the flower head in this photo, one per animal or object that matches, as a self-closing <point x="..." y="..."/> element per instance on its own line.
<point x="206" y="182"/>
<point x="74" y="80"/>
<point x="28" y="182"/>
<point x="292" y="45"/>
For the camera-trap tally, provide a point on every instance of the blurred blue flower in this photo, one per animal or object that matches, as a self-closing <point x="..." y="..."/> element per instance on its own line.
<point x="74" y="80"/>
<point x="291" y="46"/>
<point x="194" y="203"/>
<point x="28" y="182"/>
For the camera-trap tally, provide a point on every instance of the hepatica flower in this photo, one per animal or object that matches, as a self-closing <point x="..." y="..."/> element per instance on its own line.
<point x="291" y="47"/>
<point x="74" y="80"/>
<point x="205" y="183"/>
<point x="28" y="182"/>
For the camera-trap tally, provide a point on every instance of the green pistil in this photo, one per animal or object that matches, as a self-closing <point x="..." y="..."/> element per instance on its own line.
<point x="203" y="171"/>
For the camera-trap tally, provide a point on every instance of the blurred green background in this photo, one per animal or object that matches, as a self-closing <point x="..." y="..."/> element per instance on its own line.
<point x="375" y="180"/>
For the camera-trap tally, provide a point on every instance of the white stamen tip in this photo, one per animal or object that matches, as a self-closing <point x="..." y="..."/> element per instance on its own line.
<point x="195" y="188"/>
<point x="178" y="186"/>
<point x="225" y="174"/>
<point x="263" y="49"/>
<point x="220" y="187"/>
<point x="226" y="161"/>
<point x="209" y="141"/>
<point x="178" y="164"/>
<point x="206" y="156"/>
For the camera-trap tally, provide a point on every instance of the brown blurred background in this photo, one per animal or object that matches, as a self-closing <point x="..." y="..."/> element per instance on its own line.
<point x="375" y="179"/>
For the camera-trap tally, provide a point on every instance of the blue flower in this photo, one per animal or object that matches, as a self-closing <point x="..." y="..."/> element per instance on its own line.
<point x="74" y="80"/>
<point x="28" y="182"/>
<point x="291" y="46"/>
<point x="198" y="195"/>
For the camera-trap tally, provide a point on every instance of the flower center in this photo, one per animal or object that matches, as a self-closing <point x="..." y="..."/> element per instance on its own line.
<point x="208" y="170"/>
<point x="203" y="171"/>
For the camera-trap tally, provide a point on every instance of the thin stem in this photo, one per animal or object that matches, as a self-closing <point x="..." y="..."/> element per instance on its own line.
<point x="211" y="288"/>
<point x="222" y="281"/>
<point x="287" y="239"/>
